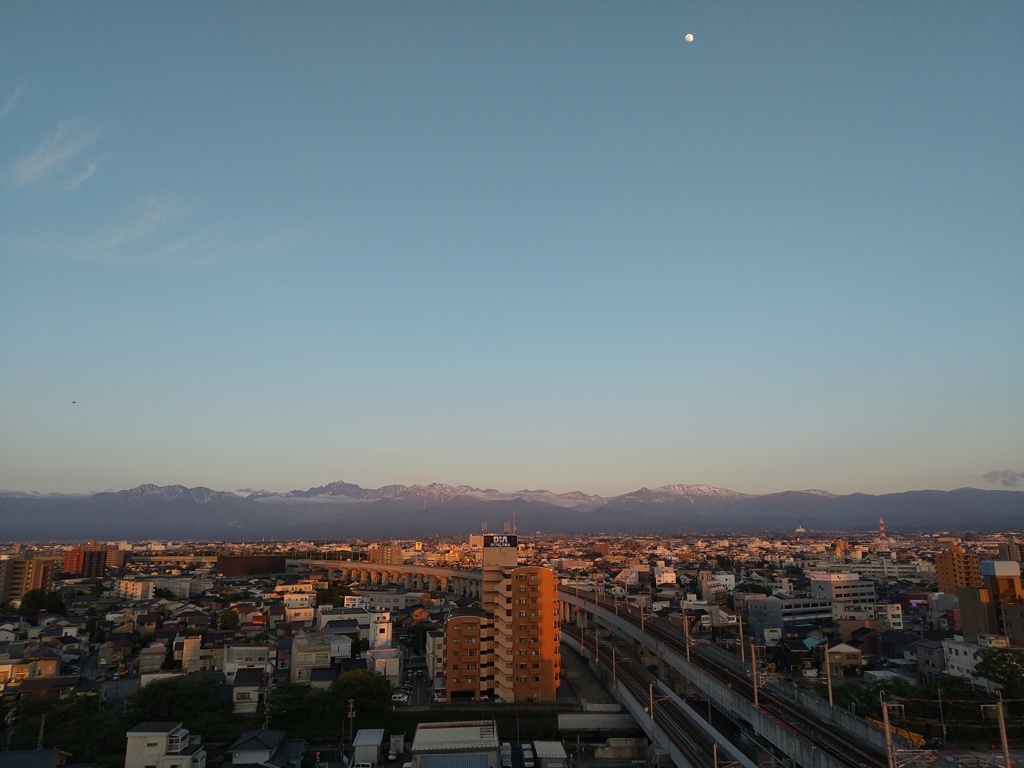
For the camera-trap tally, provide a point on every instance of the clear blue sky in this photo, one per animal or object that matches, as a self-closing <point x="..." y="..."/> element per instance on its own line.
<point x="511" y="244"/>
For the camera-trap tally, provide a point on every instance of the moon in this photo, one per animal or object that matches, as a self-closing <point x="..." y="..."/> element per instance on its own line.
<point x="688" y="38"/>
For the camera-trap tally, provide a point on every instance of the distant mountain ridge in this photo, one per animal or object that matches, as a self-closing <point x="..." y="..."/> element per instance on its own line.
<point x="346" y="510"/>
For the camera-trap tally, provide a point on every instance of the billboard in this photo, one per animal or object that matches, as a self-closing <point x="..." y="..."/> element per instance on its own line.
<point x="509" y="540"/>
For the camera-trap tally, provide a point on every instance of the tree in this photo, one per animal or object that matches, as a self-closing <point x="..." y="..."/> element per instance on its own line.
<point x="370" y="693"/>
<point x="192" y="701"/>
<point x="1004" y="666"/>
<point x="36" y="600"/>
<point x="73" y="724"/>
<point x="229" y="620"/>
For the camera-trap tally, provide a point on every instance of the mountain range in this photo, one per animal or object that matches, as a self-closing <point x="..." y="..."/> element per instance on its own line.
<point x="345" y="510"/>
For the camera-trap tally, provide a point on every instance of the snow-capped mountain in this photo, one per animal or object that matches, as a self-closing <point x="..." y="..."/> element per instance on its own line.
<point x="340" y="510"/>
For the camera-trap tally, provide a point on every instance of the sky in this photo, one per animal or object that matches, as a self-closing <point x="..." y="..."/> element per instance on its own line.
<point x="513" y="245"/>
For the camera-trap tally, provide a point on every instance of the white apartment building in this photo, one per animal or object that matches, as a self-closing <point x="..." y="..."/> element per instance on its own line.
<point x="129" y="589"/>
<point x="961" y="657"/>
<point x="238" y="657"/>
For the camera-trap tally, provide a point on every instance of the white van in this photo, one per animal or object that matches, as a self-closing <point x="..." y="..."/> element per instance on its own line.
<point x="528" y="759"/>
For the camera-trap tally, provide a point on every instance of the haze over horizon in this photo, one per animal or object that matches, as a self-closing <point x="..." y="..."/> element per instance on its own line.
<point x="512" y="246"/>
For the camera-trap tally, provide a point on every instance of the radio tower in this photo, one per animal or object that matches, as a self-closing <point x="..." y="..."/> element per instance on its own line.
<point x="881" y="529"/>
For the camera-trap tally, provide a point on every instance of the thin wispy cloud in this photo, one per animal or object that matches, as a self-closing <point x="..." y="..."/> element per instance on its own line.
<point x="57" y="156"/>
<point x="161" y="232"/>
<point x="146" y="219"/>
<point x="88" y="171"/>
<point x="11" y="101"/>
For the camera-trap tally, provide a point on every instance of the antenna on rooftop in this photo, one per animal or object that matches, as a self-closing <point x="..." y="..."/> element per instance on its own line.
<point x="483" y="527"/>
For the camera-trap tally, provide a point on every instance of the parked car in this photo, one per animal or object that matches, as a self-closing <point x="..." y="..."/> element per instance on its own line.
<point x="400" y="696"/>
<point x="528" y="759"/>
<point x="392" y="755"/>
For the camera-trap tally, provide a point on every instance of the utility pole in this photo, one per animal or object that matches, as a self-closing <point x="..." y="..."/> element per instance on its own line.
<point x="743" y="650"/>
<point x="753" y="676"/>
<point x="942" y="718"/>
<point x="1002" y="727"/>
<point x="351" y="722"/>
<point x="615" y="680"/>
<point x="890" y="753"/>
<point x="686" y="632"/>
<point x="650" y="694"/>
<point x="828" y="679"/>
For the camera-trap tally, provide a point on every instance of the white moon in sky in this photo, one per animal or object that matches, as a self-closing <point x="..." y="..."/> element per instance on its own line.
<point x="688" y="38"/>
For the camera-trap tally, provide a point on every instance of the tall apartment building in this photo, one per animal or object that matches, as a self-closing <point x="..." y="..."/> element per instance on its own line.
<point x="509" y="647"/>
<point x="956" y="569"/>
<point x="22" y="573"/>
<point x="387" y="554"/>
<point x="984" y="610"/>
<point x="1012" y="549"/>
<point x="88" y="562"/>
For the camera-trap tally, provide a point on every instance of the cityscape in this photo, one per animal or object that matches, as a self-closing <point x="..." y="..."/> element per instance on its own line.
<point x="507" y="649"/>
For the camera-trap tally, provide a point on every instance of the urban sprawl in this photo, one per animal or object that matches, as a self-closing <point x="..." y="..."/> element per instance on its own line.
<point x="504" y="650"/>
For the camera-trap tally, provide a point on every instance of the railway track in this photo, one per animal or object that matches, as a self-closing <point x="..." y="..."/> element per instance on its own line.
<point x="823" y="736"/>
<point x="696" y="745"/>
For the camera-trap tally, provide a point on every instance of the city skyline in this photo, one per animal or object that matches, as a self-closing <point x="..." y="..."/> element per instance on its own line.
<point x="512" y="246"/>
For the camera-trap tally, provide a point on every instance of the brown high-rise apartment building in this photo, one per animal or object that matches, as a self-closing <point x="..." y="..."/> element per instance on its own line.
<point x="387" y="554"/>
<point x="22" y="573"/>
<point x="87" y="562"/>
<point x="956" y="569"/>
<point x="509" y="647"/>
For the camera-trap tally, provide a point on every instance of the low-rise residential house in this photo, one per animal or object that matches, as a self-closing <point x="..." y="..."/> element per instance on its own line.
<point x="844" y="657"/>
<point x="54" y="687"/>
<point x="267" y="748"/>
<point x="163" y="745"/>
<point x="33" y="758"/>
<point x="930" y="663"/>
<point x="309" y="651"/>
<point x="45" y="661"/>
<point x="113" y="652"/>
<point x="152" y="657"/>
<point x="247" y="689"/>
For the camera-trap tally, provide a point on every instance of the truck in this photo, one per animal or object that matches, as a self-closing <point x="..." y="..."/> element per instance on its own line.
<point x="366" y="747"/>
<point x="506" y="755"/>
